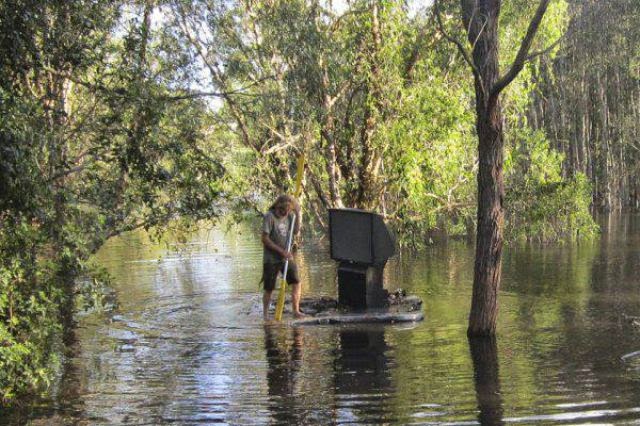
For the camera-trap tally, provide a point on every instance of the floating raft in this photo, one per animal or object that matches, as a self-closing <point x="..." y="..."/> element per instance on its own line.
<point x="359" y="318"/>
<point x="400" y="309"/>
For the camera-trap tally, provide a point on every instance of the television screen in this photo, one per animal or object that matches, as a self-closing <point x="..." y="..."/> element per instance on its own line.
<point x="350" y="233"/>
<point x="359" y="236"/>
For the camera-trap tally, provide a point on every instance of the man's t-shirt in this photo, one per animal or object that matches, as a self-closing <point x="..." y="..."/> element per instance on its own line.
<point x="278" y="230"/>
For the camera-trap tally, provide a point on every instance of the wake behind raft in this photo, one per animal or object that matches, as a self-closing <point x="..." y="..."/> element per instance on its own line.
<point x="361" y="244"/>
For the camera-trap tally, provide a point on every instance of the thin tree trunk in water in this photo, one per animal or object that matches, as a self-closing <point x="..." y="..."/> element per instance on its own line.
<point x="332" y="171"/>
<point x="605" y="139"/>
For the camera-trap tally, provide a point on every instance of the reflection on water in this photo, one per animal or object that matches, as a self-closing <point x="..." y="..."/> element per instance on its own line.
<point x="486" y="375"/>
<point x="363" y="373"/>
<point x="187" y="345"/>
<point x="284" y="357"/>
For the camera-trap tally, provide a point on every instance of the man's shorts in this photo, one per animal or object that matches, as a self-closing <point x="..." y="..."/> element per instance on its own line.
<point x="270" y="274"/>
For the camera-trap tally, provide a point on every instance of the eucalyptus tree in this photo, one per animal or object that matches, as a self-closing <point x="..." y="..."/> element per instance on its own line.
<point x="100" y="106"/>
<point x="481" y="21"/>
<point x="341" y="86"/>
<point x="101" y="134"/>
<point x="300" y="77"/>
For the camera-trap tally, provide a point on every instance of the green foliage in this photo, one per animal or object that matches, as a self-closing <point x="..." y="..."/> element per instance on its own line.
<point x="30" y="296"/>
<point x="431" y="161"/>
<point x="93" y="289"/>
<point x="514" y="21"/>
<point x="554" y="211"/>
<point x="361" y="90"/>
<point x="101" y="134"/>
<point x="587" y="98"/>
<point x="543" y="206"/>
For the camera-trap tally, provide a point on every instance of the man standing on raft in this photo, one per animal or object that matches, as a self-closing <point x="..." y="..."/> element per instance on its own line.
<point x="275" y="227"/>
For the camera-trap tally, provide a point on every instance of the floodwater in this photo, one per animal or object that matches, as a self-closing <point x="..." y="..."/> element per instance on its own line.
<point x="187" y="345"/>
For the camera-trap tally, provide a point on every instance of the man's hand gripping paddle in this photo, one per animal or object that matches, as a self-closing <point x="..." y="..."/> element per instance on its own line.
<point x="283" y="281"/>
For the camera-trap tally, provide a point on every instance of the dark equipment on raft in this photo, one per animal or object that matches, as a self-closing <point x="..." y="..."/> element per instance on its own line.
<point x="362" y="244"/>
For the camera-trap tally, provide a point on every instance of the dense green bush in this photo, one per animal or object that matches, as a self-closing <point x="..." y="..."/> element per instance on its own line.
<point x="31" y="294"/>
<point x="99" y="135"/>
<point x="541" y="204"/>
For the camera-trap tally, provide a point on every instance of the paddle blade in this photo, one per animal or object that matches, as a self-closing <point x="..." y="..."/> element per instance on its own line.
<point x="280" y="302"/>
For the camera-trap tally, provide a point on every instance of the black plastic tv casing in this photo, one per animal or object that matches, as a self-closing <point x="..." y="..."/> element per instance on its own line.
<point x="359" y="237"/>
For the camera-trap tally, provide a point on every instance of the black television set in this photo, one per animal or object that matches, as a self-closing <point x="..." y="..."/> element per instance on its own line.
<point x="359" y="236"/>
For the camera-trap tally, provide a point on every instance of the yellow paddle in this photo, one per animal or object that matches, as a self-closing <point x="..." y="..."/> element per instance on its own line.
<point x="283" y="281"/>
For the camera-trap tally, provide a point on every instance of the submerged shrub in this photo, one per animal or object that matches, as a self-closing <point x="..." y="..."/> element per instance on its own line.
<point x="541" y="204"/>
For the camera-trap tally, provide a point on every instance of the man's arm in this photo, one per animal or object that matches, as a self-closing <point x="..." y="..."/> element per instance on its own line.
<point x="274" y="247"/>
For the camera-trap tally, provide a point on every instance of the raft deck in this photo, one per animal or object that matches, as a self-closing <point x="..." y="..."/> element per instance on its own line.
<point x="325" y="310"/>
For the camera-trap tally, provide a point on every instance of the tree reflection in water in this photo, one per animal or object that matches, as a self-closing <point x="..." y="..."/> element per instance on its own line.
<point x="486" y="375"/>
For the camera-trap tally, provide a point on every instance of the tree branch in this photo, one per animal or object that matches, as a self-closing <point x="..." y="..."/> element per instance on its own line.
<point x="287" y="141"/>
<point x="523" y="52"/>
<point x="223" y="94"/>
<point x="547" y="50"/>
<point x="458" y="43"/>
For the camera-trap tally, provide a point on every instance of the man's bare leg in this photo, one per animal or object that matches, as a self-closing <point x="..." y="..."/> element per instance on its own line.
<point x="296" y="294"/>
<point x="266" y="300"/>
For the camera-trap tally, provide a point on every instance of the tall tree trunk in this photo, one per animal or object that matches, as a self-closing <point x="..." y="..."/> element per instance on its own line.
<point x="480" y="18"/>
<point x="369" y="189"/>
<point x="328" y="134"/>
<point x="490" y="215"/>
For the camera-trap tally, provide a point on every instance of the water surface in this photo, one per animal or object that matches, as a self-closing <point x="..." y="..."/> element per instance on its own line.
<point x="186" y="344"/>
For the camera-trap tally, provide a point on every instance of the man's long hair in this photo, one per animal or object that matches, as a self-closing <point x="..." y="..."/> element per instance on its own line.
<point x="285" y="200"/>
